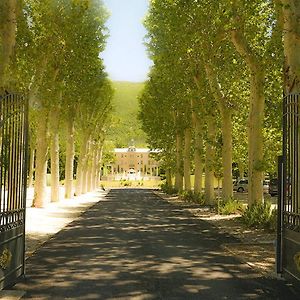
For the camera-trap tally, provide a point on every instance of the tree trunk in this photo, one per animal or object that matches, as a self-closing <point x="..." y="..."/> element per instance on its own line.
<point x="255" y="139"/>
<point x="168" y="177"/>
<point x="179" y="164"/>
<point x="241" y="170"/>
<point x="54" y="153"/>
<point x="31" y="167"/>
<point x="81" y="165"/>
<point x="291" y="38"/>
<point x="98" y="167"/>
<point x="187" y="159"/>
<point x="227" y="189"/>
<point x="256" y="116"/>
<point x="8" y="36"/>
<point x="91" y="168"/>
<point x="86" y="168"/>
<point x="41" y="160"/>
<point x="89" y="187"/>
<point x="94" y="167"/>
<point x="209" y="162"/>
<point x="226" y="115"/>
<point x="198" y="154"/>
<point x="70" y="152"/>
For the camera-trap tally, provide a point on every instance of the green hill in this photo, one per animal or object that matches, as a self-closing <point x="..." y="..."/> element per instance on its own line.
<point x="125" y="125"/>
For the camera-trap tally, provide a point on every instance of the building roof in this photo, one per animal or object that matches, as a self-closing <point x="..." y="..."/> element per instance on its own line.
<point x="136" y="150"/>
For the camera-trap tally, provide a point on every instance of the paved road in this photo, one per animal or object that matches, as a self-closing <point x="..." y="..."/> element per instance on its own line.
<point x="133" y="245"/>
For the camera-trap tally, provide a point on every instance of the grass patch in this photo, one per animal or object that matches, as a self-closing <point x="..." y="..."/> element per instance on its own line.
<point x="191" y="196"/>
<point x="131" y="183"/>
<point x="229" y="207"/>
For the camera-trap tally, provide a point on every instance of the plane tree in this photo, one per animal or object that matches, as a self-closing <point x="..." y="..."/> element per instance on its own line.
<point x="52" y="68"/>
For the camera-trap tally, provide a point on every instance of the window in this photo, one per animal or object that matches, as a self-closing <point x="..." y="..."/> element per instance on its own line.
<point x="244" y="181"/>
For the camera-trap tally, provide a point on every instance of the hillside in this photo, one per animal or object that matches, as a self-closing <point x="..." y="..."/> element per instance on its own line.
<point x="125" y="125"/>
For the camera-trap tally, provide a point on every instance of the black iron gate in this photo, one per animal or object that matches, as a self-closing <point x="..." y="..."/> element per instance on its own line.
<point x="13" y="163"/>
<point x="288" y="259"/>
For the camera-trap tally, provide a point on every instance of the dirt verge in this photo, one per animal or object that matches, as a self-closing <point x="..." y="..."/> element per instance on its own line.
<point x="256" y="247"/>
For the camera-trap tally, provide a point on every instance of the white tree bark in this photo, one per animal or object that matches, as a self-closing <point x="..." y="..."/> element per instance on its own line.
<point x="226" y="118"/>
<point x="81" y="166"/>
<point x="85" y="169"/>
<point x="209" y="162"/>
<point x="255" y="137"/>
<point x="41" y="161"/>
<point x="227" y="189"/>
<point x="256" y="117"/>
<point x="187" y="159"/>
<point x="70" y="152"/>
<point x="54" y="153"/>
<point x="94" y="167"/>
<point x="179" y="163"/>
<point x="290" y="16"/>
<point x="198" y="155"/>
<point x="31" y="167"/>
<point x="291" y="37"/>
<point x="90" y="169"/>
<point x="98" y="167"/>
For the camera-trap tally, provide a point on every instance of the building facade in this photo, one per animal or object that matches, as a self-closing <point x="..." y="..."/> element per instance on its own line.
<point x="134" y="163"/>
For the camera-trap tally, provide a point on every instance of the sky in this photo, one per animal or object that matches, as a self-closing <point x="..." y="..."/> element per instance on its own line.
<point x="125" y="56"/>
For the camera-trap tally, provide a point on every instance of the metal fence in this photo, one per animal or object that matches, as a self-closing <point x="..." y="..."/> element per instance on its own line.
<point x="289" y="198"/>
<point x="13" y="174"/>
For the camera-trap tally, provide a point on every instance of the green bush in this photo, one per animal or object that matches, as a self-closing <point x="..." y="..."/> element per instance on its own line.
<point x="124" y="182"/>
<point x="260" y="215"/>
<point x="229" y="206"/>
<point x="170" y="190"/>
<point x="140" y="183"/>
<point x="273" y="220"/>
<point x="193" y="197"/>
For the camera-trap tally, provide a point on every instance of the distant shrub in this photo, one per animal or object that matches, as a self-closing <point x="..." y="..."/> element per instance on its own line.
<point x="229" y="207"/>
<point x="260" y="215"/>
<point x="191" y="196"/>
<point x="170" y="190"/>
<point x="140" y="183"/>
<point x="124" y="182"/>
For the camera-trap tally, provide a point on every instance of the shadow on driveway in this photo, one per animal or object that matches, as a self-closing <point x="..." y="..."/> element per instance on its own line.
<point x="134" y="245"/>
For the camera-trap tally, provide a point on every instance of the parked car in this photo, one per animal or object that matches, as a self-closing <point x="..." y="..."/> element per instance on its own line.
<point x="266" y="184"/>
<point x="273" y="187"/>
<point x="242" y="186"/>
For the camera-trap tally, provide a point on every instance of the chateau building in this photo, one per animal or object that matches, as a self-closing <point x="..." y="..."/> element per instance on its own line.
<point x="134" y="162"/>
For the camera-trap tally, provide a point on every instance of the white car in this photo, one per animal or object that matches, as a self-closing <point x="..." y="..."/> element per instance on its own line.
<point x="241" y="186"/>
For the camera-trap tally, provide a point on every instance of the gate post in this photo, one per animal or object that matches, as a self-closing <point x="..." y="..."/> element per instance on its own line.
<point x="280" y="206"/>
